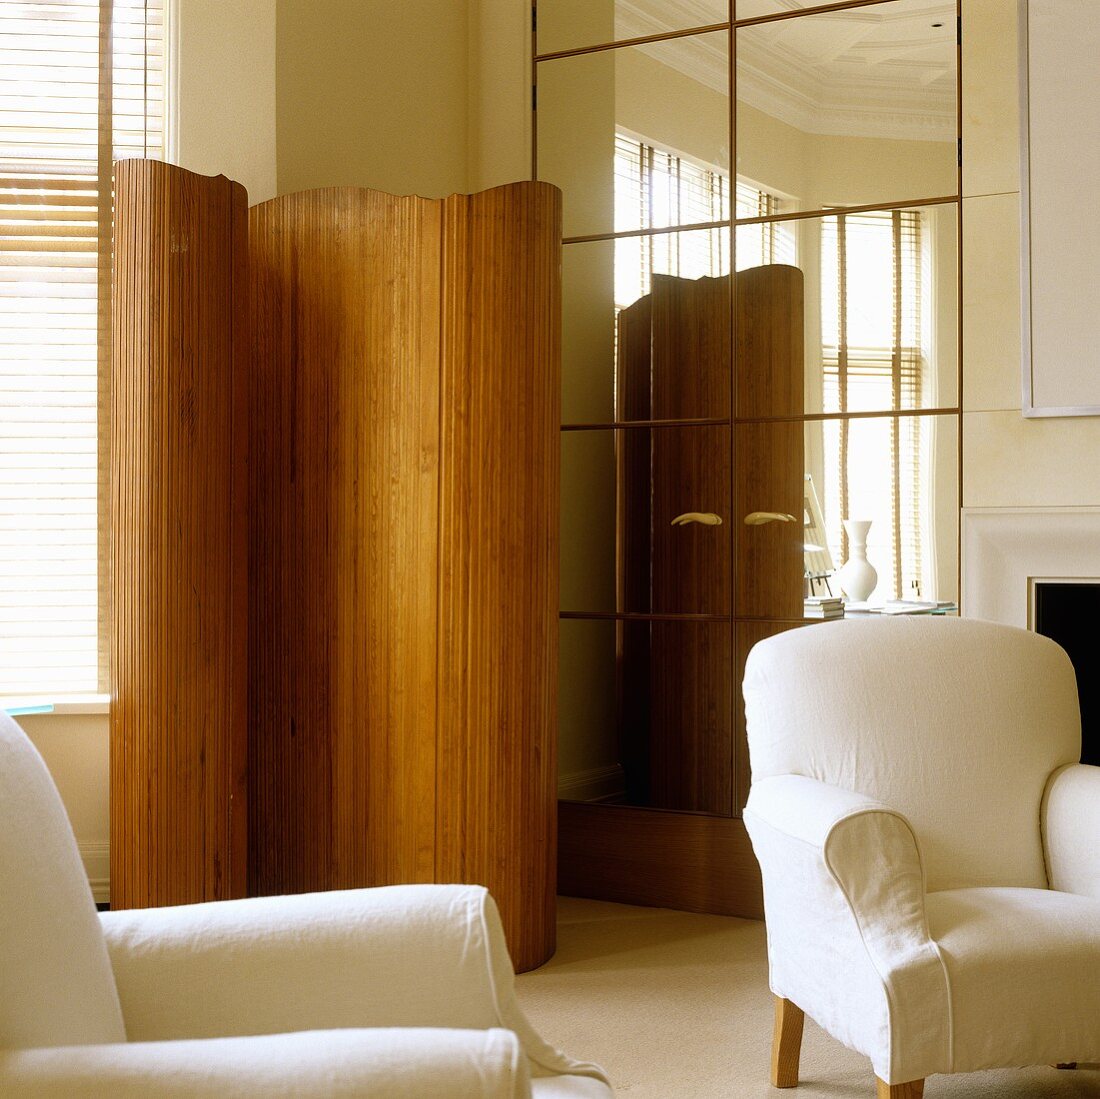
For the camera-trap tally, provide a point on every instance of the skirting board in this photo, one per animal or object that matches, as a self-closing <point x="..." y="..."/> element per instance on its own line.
<point x="97" y="865"/>
<point x="595" y="784"/>
<point x="688" y="861"/>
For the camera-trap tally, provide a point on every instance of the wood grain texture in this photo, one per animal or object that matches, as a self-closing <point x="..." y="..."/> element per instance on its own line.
<point x="344" y="502"/>
<point x="404" y="545"/>
<point x="179" y="559"/>
<point x="769" y="475"/>
<point x="499" y="413"/>
<point x="786" y="1043"/>
<point x="769" y="342"/>
<point x="914" y="1089"/>
<point x="690" y="348"/>
<point x="689" y="861"/>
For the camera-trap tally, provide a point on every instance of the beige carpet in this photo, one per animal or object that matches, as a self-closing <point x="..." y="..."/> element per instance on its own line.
<point x="676" y="1005"/>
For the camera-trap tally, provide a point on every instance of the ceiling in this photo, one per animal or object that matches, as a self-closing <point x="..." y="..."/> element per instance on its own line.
<point x="888" y="70"/>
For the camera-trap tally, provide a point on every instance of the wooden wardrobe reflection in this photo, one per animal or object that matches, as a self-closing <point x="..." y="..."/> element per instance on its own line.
<point x="679" y="487"/>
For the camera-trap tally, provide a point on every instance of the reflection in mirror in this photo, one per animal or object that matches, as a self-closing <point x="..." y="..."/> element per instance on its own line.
<point x="881" y="306"/>
<point x="588" y="521"/>
<point x="638" y="137"/>
<point x="850" y="107"/>
<point x="646" y="714"/>
<point x="751" y="9"/>
<point x="574" y="24"/>
<point x="900" y="474"/>
<point x="663" y="545"/>
<point x="615" y="294"/>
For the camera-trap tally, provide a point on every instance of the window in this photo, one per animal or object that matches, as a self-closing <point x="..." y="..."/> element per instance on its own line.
<point x="873" y="360"/>
<point x="81" y="81"/>
<point x="656" y="189"/>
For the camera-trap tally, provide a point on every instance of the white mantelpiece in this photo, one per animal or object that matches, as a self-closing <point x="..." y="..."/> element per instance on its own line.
<point x="1005" y="550"/>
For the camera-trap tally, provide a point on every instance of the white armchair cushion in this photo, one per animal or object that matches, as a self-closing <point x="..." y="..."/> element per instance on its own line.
<point x="1024" y="971"/>
<point x="848" y="938"/>
<point x="954" y="723"/>
<point x="364" y="1064"/>
<point x="57" y="985"/>
<point x="400" y="956"/>
<point x="1071" y="830"/>
<point x="912" y="790"/>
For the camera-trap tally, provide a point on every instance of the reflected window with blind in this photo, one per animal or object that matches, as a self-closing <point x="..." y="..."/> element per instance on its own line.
<point x="874" y="273"/>
<point x="657" y="189"/>
<point x="81" y="83"/>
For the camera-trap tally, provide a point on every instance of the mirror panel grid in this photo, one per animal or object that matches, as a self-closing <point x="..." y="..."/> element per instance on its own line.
<point x="638" y="137"/>
<point x="646" y="328"/>
<point x="647" y="714"/>
<point x="851" y="107"/>
<point x="576" y="24"/>
<point x="754" y="9"/>
<point x="762" y="409"/>
<point x="646" y="520"/>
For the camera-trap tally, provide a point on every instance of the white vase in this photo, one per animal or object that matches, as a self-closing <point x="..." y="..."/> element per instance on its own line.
<point x="857" y="576"/>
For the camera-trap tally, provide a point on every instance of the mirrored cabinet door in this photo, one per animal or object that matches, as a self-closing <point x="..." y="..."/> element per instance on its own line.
<point x="760" y="359"/>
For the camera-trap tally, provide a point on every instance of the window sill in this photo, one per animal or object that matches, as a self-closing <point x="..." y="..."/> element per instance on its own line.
<point x="57" y="705"/>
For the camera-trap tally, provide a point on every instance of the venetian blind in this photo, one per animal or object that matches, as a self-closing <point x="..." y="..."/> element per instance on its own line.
<point x="656" y="189"/>
<point x="81" y="81"/>
<point x="873" y="361"/>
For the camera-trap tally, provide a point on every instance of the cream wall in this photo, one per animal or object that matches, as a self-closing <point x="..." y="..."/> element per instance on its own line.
<point x="1008" y="461"/>
<point x="225" y="82"/>
<point x="75" y="749"/>
<point x="420" y="97"/>
<point x="373" y="93"/>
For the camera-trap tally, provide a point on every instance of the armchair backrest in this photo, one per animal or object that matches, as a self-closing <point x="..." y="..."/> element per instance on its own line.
<point x="55" y="976"/>
<point x="956" y="723"/>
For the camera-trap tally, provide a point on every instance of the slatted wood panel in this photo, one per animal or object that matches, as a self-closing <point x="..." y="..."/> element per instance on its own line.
<point x="769" y="341"/>
<point x="404" y="545"/>
<point x="769" y="458"/>
<point x="344" y="500"/>
<point x="179" y="558"/>
<point x="498" y="555"/>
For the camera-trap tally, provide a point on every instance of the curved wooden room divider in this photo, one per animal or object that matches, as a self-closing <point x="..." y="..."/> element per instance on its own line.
<point x="179" y="537"/>
<point x="403" y="531"/>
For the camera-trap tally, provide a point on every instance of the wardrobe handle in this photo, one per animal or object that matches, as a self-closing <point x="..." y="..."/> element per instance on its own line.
<point x="759" y="518"/>
<point x="707" y="518"/>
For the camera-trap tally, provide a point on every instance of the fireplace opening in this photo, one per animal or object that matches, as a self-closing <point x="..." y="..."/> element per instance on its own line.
<point x="1069" y="612"/>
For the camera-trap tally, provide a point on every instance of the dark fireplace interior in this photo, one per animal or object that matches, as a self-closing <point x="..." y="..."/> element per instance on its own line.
<point x="1070" y="614"/>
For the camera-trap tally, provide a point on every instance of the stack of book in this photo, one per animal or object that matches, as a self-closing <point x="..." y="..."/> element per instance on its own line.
<point x="823" y="606"/>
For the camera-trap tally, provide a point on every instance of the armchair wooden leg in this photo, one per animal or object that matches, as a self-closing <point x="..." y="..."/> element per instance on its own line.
<point x="912" y="1090"/>
<point x="786" y="1043"/>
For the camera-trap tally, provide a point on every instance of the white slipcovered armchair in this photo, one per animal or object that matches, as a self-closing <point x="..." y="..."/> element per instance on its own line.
<point x="404" y="992"/>
<point x="930" y="846"/>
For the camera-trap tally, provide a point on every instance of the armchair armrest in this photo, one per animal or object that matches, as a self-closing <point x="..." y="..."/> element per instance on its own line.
<point x="398" y="956"/>
<point x="844" y="895"/>
<point x="367" y="1064"/>
<point x="1071" y="829"/>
